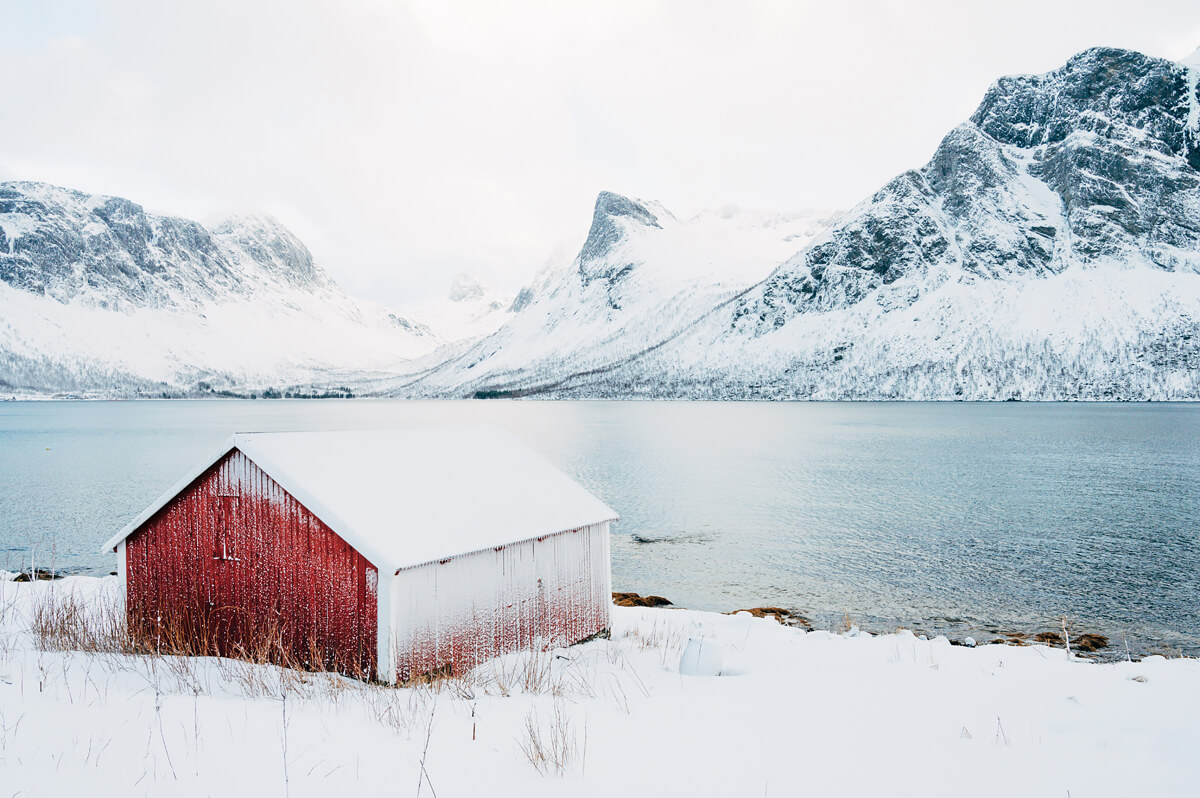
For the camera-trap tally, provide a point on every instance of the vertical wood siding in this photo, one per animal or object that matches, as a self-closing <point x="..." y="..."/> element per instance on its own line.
<point x="234" y="564"/>
<point x="457" y="613"/>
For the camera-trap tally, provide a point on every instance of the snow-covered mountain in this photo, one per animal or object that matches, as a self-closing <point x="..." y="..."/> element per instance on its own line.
<point x="470" y="310"/>
<point x="641" y="277"/>
<point x="96" y="295"/>
<point x="1049" y="249"/>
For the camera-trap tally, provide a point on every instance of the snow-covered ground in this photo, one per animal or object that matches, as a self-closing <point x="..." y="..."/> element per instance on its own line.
<point x="806" y="714"/>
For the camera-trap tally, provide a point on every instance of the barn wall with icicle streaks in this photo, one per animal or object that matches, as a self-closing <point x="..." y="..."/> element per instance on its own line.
<point x="454" y="614"/>
<point x="234" y="562"/>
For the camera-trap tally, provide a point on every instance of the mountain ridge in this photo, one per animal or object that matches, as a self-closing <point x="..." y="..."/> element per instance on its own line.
<point x="99" y="296"/>
<point x="1049" y="249"/>
<point x="1088" y="167"/>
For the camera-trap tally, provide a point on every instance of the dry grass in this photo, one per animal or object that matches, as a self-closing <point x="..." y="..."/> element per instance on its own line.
<point x="86" y="637"/>
<point x="551" y="744"/>
<point x="230" y="632"/>
<point x="667" y="639"/>
<point x="62" y="621"/>
<point x="529" y="672"/>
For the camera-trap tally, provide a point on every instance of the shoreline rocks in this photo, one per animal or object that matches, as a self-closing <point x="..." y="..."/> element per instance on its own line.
<point x="37" y="575"/>
<point x="637" y="600"/>
<point x="1082" y="643"/>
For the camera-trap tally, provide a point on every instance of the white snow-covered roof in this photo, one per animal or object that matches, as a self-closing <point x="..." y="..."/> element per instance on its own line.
<point x="405" y="497"/>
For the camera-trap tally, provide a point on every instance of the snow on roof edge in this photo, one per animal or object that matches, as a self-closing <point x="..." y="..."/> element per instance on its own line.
<point x="347" y="530"/>
<point x="340" y="526"/>
<point x="397" y="571"/>
<point x="314" y="506"/>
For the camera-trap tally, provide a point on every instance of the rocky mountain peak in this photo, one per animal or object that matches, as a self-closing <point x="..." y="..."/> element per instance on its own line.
<point x="609" y="204"/>
<point x="109" y="252"/>
<point x="466" y="288"/>
<point x="1095" y="162"/>
<point x="270" y="244"/>
<point x="613" y="214"/>
<point x="1108" y="92"/>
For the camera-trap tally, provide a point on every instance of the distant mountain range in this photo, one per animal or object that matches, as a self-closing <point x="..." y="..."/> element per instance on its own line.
<point x="98" y="297"/>
<point x="1050" y="249"/>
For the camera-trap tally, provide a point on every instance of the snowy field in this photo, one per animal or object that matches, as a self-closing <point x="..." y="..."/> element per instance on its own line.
<point x="795" y="714"/>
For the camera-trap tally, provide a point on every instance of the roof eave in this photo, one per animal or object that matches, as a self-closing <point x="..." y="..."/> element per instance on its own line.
<point x="170" y="494"/>
<point x="396" y="569"/>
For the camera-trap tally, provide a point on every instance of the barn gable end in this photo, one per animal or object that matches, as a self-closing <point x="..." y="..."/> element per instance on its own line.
<point x="233" y="560"/>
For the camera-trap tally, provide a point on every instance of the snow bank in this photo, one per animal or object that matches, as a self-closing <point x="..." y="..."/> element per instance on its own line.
<point x="812" y="713"/>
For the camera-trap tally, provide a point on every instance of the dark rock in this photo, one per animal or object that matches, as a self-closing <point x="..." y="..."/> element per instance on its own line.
<point x="38" y="574"/>
<point x="636" y="600"/>
<point x="784" y="616"/>
<point x="1089" y="642"/>
<point x="1086" y="642"/>
<point x="522" y="300"/>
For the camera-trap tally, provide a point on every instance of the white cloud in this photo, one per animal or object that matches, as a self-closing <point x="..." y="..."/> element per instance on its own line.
<point x="407" y="142"/>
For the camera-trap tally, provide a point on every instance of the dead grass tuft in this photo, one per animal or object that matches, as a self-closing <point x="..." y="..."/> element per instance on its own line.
<point x="63" y="621"/>
<point x="551" y="744"/>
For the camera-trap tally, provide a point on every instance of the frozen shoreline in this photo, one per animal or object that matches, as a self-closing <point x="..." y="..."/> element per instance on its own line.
<point x="1087" y="645"/>
<point x="1082" y="643"/>
<point x="813" y="712"/>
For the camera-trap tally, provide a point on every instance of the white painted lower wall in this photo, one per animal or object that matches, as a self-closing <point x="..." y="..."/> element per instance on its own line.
<point x="457" y="613"/>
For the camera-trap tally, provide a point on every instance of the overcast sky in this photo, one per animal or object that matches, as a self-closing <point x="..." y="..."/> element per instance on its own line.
<point x="406" y="142"/>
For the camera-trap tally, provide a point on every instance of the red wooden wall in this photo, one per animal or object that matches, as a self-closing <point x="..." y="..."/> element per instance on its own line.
<point x="234" y="565"/>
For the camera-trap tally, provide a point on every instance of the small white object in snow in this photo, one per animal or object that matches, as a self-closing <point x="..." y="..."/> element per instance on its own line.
<point x="969" y="642"/>
<point x="702" y="658"/>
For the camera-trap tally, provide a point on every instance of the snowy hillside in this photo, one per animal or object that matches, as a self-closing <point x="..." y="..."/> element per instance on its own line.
<point x="641" y="277"/>
<point x="96" y="295"/>
<point x="1049" y="250"/>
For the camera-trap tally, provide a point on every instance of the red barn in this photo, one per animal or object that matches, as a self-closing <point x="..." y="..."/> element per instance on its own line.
<point x="391" y="553"/>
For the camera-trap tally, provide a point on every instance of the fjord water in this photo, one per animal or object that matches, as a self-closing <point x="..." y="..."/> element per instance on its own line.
<point x="947" y="518"/>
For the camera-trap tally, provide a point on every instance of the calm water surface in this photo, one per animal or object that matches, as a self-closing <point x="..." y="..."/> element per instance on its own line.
<point x="952" y="518"/>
